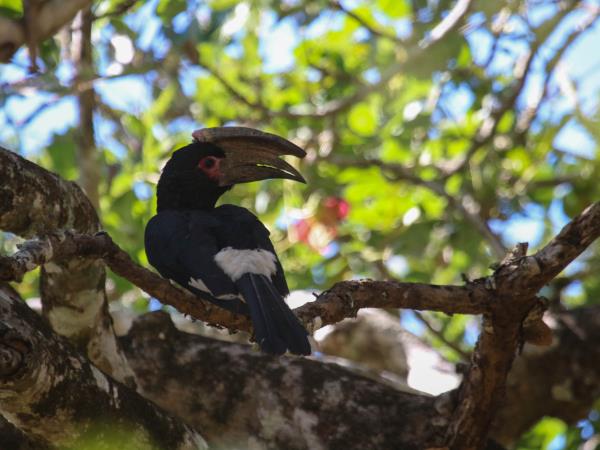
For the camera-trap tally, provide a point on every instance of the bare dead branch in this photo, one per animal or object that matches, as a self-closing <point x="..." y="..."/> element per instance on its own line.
<point x="516" y="282"/>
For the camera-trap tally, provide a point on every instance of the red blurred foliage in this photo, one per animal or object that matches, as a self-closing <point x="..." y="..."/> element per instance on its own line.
<point x="320" y="228"/>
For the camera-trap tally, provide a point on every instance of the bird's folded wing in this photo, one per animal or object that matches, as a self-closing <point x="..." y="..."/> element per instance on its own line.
<point x="182" y="246"/>
<point x="243" y="230"/>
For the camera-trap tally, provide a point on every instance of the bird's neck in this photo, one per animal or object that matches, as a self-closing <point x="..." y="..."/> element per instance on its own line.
<point x="183" y="202"/>
<point x="176" y="194"/>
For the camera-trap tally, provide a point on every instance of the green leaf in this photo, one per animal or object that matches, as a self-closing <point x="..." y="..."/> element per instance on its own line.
<point x="465" y="58"/>
<point x="543" y="433"/>
<point x="221" y="5"/>
<point x="168" y="9"/>
<point x="394" y="8"/>
<point x="60" y="157"/>
<point x="363" y="119"/>
<point x="11" y="8"/>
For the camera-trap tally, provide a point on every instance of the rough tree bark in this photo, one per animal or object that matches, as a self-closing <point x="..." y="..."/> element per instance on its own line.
<point x="191" y="377"/>
<point x="326" y="406"/>
<point x="248" y="394"/>
<point x="257" y="401"/>
<point x="248" y="399"/>
<point x="35" y="202"/>
<point x="561" y="380"/>
<point x="51" y="392"/>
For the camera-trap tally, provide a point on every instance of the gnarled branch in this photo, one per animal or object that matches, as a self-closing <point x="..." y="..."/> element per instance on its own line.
<point x="516" y="283"/>
<point x="506" y="299"/>
<point x="34" y="201"/>
<point x="52" y="393"/>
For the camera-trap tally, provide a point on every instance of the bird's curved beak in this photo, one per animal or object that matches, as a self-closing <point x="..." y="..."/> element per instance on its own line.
<point x="251" y="155"/>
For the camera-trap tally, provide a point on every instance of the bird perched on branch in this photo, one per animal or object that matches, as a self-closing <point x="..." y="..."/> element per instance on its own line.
<point x="224" y="253"/>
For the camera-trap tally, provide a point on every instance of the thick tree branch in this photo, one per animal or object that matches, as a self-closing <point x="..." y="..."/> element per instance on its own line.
<point x="345" y="298"/>
<point x="516" y="283"/>
<point x="246" y="399"/>
<point x="10" y="436"/>
<point x="33" y="202"/>
<point x="187" y="375"/>
<point x="52" y="393"/>
<point x="561" y="380"/>
<point x="14" y="439"/>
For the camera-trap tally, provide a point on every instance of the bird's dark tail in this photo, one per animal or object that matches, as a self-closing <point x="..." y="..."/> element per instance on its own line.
<point x="276" y="328"/>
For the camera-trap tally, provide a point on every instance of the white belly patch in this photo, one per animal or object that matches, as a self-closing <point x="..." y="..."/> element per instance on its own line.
<point x="236" y="263"/>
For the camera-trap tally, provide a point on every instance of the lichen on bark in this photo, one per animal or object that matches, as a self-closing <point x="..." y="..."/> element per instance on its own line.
<point x="36" y="202"/>
<point x="54" y="394"/>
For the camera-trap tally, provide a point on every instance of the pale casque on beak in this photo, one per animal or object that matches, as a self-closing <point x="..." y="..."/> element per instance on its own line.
<point x="251" y="155"/>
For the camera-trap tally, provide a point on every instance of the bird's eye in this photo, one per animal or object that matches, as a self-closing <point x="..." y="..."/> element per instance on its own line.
<point x="207" y="162"/>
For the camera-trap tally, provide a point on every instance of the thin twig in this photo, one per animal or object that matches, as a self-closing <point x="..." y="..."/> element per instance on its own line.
<point x="525" y="119"/>
<point x="487" y="130"/>
<point x="362" y="22"/>
<point x="119" y="10"/>
<point x="333" y="107"/>
<point x="440" y="335"/>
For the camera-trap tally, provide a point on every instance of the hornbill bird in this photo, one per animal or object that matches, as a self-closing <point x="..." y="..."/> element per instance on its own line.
<point x="224" y="253"/>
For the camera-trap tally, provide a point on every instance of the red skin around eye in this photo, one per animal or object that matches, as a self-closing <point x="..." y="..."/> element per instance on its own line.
<point x="212" y="172"/>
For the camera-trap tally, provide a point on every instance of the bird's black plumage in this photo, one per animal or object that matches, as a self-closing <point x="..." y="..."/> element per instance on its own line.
<point x="225" y="250"/>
